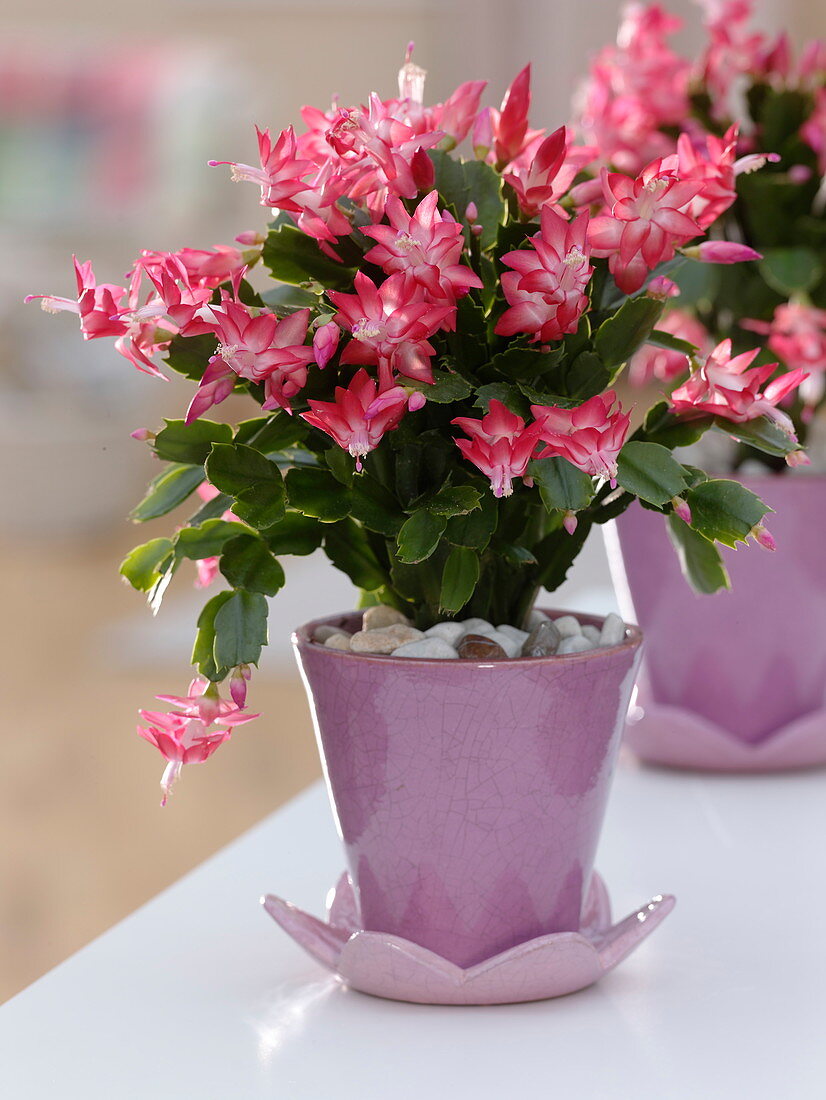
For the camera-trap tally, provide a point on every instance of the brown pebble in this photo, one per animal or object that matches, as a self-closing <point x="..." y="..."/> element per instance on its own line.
<point x="380" y="616"/>
<point x="478" y="648"/>
<point x="322" y="633"/>
<point x="543" y="640"/>
<point x="385" y="640"/>
<point x="338" y="641"/>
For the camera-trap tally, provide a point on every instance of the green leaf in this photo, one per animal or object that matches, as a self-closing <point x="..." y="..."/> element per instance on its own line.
<point x="190" y="355"/>
<point x="295" y="534"/>
<point x="620" y="336"/>
<point x="315" y="492"/>
<point x="724" y="511"/>
<point x="419" y="536"/>
<point x="587" y="376"/>
<point x="476" y="528"/>
<point x="376" y="507"/>
<point x="340" y="464"/>
<point x="295" y="258"/>
<point x="510" y="396"/>
<point x="446" y="389"/>
<point x="455" y="500"/>
<point x="521" y="364"/>
<point x="252" y="480"/>
<point x="661" y="339"/>
<point x="762" y="433"/>
<point x="662" y="426"/>
<point x="459" y="579"/>
<point x="561" y="485"/>
<point x="240" y="629"/>
<point x="650" y="472"/>
<point x="347" y="547"/>
<point x="169" y="489"/>
<point x="179" y="442"/>
<point x="285" y="298"/>
<point x="247" y="563"/>
<point x="517" y="555"/>
<point x="700" y="559"/>
<point x="203" y="652"/>
<point x="791" y="271"/>
<point x="205" y="540"/>
<point x="272" y="433"/>
<point x="462" y="181"/>
<point x="145" y="565"/>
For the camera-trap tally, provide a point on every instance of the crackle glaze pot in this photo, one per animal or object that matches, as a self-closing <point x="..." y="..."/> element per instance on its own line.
<point x="469" y="795"/>
<point x="735" y="681"/>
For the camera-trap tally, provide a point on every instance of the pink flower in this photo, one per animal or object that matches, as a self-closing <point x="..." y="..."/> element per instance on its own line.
<point x="732" y="49"/>
<point x="216" y="385"/>
<point x="724" y="386"/>
<point x="347" y="420"/>
<point x="722" y="252"/>
<point x="281" y="171"/>
<point x="455" y="116"/>
<point x="325" y="342"/>
<point x="261" y="349"/>
<point x="797" y="333"/>
<point x="390" y="326"/>
<point x="96" y="304"/>
<point x="191" y="733"/>
<point x="426" y="245"/>
<point x="546" y="288"/>
<point x="544" y="175"/>
<point x="500" y="445"/>
<point x="589" y="436"/>
<point x="661" y="363"/>
<point x="509" y="125"/>
<point x="647" y="220"/>
<point x="204" y="267"/>
<point x="813" y="130"/>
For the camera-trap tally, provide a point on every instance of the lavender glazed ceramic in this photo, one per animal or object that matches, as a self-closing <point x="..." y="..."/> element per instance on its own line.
<point x="469" y="795"/>
<point x="735" y="681"/>
<point x="387" y="966"/>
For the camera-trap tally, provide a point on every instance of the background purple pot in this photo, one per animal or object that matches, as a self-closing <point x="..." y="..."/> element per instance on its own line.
<point x="469" y="795"/>
<point x="736" y="680"/>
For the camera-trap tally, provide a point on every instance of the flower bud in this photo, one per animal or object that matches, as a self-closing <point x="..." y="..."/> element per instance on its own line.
<point x="424" y="173"/>
<point x="251" y="237"/>
<point x="569" y="522"/>
<point x="721" y="252"/>
<point x="143" y="435"/>
<point x="763" y="536"/>
<point x="798" y="458"/>
<point x="681" y="509"/>
<point x="662" y="288"/>
<point x="482" y="136"/>
<point x="238" y="685"/>
<point x="471" y="213"/>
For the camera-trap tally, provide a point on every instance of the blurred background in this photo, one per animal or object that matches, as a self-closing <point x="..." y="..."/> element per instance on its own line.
<point x="108" y="114"/>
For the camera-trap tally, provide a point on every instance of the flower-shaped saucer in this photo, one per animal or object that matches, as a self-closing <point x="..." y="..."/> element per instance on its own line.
<point x="677" y="738"/>
<point x="388" y="966"/>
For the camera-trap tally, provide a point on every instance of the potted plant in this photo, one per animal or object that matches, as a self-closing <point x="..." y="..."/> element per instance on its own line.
<point x="432" y="361"/>
<point x="756" y="701"/>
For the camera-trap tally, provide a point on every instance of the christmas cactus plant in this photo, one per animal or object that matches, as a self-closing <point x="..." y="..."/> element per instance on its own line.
<point x="429" y="346"/>
<point x="745" y="102"/>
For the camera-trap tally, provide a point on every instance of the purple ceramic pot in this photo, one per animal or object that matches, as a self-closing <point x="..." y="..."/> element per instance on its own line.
<point x="469" y="795"/>
<point x="735" y="681"/>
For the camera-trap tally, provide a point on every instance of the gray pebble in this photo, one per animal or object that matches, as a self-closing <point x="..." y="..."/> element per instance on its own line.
<point x="322" y="633"/>
<point x="574" y="643"/>
<point x="568" y="626"/>
<point x="613" y="631"/>
<point x="434" y="648"/>
<point x="380" y="616"/>
<point x="338" y="641"/>
<point x="385" y="640"/>
<point x="542" y="641"/>
<point x="452" y="633"/>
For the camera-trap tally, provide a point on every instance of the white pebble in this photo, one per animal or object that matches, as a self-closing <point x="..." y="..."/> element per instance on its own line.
<point x="568" y="626"/>
<point x="322" y="633"/>
<point x="434" y="648"/>
<point x="452" y="633"/>
<point x="574" y="643"/>
<point x="511" y="646"/>
<point x="535" y="619"/>
<point x="476" y="626"/>
<point x="520" y="636"/>
<point x="380" y="616"/>
<point x="613" y="630"/>
<point x="591" y="633"/>
<point x="338" y="641"/>
<point x="384" y="640"/>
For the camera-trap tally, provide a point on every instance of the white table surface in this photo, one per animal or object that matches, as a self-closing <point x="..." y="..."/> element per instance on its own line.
<point x="199" y="995"/>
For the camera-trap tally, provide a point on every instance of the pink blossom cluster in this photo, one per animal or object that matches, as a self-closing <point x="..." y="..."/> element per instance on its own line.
<point x="198" y="724"/>
<point x="797" y="333"/>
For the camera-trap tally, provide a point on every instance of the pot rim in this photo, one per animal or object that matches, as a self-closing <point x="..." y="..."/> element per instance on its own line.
<point x="302" y="638"/>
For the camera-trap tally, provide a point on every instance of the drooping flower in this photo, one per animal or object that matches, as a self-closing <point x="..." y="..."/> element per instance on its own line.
<point x="205" y="267"/>
<point x="500" y="445"/>
<point x="665" y="364"/>
<point x="281" y="170"/>
<point x="390" y="326"/>
<point x="724" y="386"/>
<point x="590" y="436"/>
<point x="190" y="733"/>
<point x="426" y="245"/>
<point x="797" y="333"/>
<point x="348" y="418"/>
<point x="261" y="348"/>
<point x="546" y="287"/>
<point x="97" y="304"/>
<point x="647" y="220"/>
